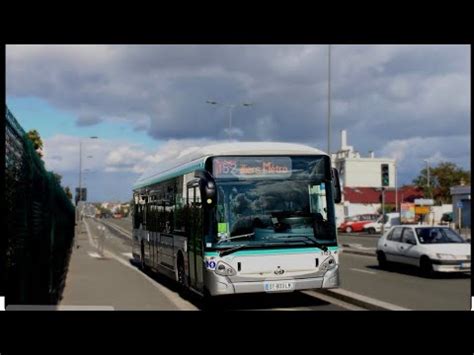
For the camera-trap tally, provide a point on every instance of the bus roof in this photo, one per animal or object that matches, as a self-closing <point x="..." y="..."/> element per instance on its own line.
<point x="194" y="158"/>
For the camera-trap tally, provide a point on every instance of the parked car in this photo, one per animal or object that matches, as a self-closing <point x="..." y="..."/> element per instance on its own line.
<point x="446" y="218"/>
<point x="431" y="248"/>
<point x="391" y="219"/>
<point x="356" y="223"/>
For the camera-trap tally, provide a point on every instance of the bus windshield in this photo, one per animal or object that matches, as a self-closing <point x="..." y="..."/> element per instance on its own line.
<point x="273" y="200"/>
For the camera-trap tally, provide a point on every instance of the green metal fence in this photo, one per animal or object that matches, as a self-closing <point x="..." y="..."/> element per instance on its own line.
<point x="40" y="223"/>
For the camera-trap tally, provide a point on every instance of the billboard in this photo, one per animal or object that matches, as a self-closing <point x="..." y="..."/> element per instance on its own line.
<point x="407" y="213"/>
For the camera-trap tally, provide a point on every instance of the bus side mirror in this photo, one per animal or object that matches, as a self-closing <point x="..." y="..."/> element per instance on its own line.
<point x="337" y="186"/>
<point x="207" y="187"/>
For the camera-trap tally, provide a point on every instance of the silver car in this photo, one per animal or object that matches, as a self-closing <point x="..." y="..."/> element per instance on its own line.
<point x="431" y="248"/>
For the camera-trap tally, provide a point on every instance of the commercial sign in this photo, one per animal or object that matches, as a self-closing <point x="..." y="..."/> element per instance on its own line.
<point x="424" y="202"/>
<point x="422" y="210"/>
<point x="407" y="213"/>
<point x="244" y="168"/>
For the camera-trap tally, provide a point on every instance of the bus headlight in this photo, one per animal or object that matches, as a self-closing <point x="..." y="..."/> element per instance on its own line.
<point x="224" y="269"/>
<point x="328" y="264"/>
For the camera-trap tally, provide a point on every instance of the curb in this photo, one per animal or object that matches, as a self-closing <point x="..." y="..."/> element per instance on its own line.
<point x="357" y="252"/>
<point x="361" y="301"/>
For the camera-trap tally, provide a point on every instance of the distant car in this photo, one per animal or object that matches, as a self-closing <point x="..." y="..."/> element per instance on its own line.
<point x="357" y="223"/>
<point x="391" y="219"/>
<point x="431" y="248"/>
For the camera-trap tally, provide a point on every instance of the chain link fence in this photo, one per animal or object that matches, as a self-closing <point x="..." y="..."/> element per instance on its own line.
<point x="40" y="223"/>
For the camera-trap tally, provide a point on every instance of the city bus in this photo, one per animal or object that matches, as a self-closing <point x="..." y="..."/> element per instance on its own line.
<point x="240" y="218"/>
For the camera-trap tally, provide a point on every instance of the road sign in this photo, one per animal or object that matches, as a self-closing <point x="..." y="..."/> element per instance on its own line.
<point x="459" y="204"/>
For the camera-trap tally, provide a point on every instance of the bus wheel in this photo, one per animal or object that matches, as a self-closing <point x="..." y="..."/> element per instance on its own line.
<point x="348" y="230"/>
<point x="181" y="274"/>
<point x="371" y="230"/>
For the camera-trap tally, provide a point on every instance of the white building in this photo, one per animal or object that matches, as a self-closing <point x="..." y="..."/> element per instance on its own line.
<point x="357" y="171"/>
<point x="360" y="176"/>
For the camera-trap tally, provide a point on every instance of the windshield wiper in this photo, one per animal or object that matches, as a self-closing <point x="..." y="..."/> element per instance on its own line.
<point x="239" y="247"/>
<point x="235" y="237"/>
<point x="319" y="245"/>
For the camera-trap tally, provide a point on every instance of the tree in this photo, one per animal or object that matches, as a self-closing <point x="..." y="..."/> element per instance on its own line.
<point x="442" y="178"/>
<point x="68" y="192"/>
<point x="35" y="137"/>
<point x="58" y="177"/>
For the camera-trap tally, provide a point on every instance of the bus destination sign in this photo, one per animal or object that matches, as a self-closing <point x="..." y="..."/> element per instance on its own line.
<point x="252" y="167"/>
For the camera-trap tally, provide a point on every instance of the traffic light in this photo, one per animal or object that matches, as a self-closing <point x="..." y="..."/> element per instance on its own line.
<point x="385" y="180"/>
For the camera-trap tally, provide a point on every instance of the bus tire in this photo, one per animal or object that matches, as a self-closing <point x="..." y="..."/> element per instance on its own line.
<point x="181" y="272"/>
<point x="371" y="230"/>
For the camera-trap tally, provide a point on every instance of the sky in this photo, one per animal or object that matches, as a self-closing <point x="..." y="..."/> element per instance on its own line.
<point x="147" y="102"/>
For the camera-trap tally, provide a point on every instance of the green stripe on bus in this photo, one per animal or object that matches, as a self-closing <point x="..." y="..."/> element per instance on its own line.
<point x="170" y="175"/>
<point x="273" y="251"/>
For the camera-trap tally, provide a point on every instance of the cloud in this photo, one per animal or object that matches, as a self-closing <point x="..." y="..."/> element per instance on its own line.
<point x="380" y="94"/>
<point x="88" y="120"/>
<point x="411" y="153"/>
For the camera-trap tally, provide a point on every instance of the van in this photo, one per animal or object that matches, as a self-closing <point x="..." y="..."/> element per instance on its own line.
<point x="391" y="219"/>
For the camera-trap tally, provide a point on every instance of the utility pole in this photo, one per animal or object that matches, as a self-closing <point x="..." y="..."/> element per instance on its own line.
<point x="383" y="210"/>
<point x="329" y="100"/>
<point x="396" y="187"/>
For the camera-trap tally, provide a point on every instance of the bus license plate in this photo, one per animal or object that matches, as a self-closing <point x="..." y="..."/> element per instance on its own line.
<point x="275" y="286"/>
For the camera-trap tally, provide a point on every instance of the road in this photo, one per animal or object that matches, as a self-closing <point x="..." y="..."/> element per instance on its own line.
<point x="403" y="286"/>
<point x="114" y="282"/>
<point x="363" y="239"/>
<point x="400" y="286"/>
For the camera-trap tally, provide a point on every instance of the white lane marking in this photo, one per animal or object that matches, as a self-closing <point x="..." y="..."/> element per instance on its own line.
<point x="128" y="255"/>
<point x="332" y="300"/>
<point x="118" y="229"/>
<point x="94" y="255"/>
<point x="360" y="270"/>
<point x="173" y="297"/>
<point x="365" y="299"/>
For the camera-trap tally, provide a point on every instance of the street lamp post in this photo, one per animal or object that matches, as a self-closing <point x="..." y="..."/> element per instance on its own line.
<point x="329" y="100"/>
<point x="230" y="107"/>
<point x="427" y="176"/>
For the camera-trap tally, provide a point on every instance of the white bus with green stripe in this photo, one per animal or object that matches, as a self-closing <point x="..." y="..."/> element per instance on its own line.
<point x="240" y="218"/>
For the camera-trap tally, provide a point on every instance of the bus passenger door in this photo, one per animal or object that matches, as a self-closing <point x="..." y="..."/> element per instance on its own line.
<point x="195" y="234"/>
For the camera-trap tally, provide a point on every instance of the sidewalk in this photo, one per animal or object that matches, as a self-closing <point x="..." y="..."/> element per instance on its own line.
<point x="95" y="282"/>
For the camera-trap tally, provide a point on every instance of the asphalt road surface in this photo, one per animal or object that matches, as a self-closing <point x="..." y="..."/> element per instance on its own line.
<point x="364" y="239"/>
<point x="112" y="281"/>
<point x="401" y="286"/>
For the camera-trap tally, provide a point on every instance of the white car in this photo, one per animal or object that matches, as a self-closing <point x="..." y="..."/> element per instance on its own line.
<point x="431" y="248"/>
<point x="391" y="219"/>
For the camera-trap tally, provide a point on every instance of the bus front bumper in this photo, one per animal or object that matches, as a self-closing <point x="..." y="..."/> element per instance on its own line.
<point x="222" y="285"/>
